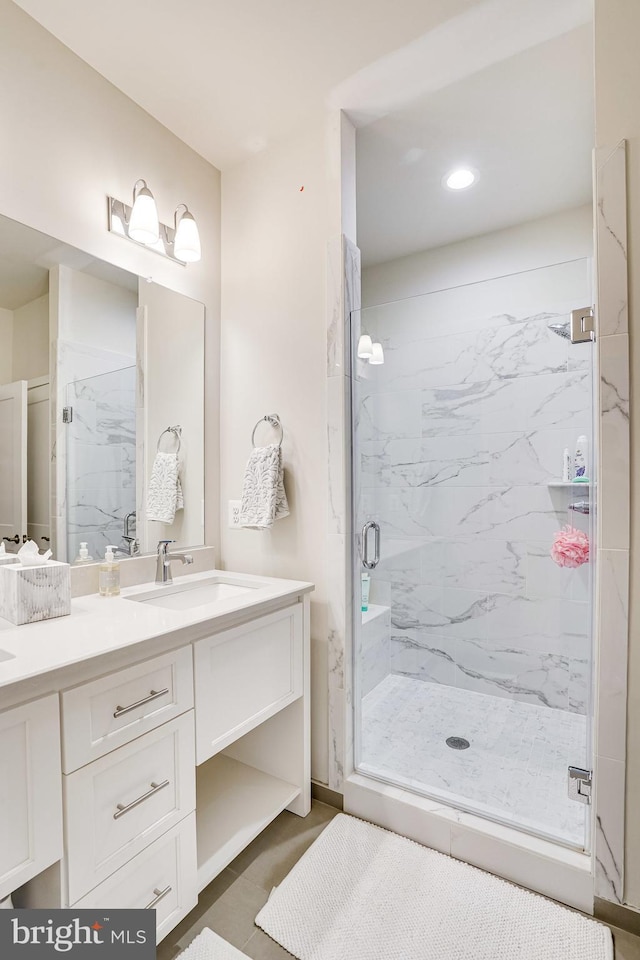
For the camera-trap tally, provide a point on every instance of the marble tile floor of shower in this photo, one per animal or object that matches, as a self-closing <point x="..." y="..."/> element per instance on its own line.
<point x="514" y="770"/>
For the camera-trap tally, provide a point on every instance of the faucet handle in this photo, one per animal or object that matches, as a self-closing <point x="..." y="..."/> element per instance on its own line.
<point x="164" y="543"/>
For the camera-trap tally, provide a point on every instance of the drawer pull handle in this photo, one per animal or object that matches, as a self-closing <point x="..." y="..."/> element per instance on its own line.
<point x="159" y="894"/>
<point x="122" y="808"/>
<point x="132" y="706"/>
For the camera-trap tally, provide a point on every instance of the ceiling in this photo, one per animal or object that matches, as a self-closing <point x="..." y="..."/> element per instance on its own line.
<point x="228" y="78"/>
<point x="525" y="124"/>
<point x="502" y="85"/>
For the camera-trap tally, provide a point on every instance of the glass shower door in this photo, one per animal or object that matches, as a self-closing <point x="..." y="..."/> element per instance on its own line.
<point x="100" y="460"/>
<point x="473" y="657"/>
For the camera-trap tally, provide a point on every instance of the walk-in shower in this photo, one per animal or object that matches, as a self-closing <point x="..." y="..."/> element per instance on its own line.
<point x="473" y="659"/>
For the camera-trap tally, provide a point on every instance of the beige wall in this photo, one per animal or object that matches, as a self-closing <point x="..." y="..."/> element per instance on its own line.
<point x="276" y="213"/>
<point x="6" y="345"/>
<point x="31" y="339"/>
<point x="617" y="29"/>
<point x="74" y="138"/>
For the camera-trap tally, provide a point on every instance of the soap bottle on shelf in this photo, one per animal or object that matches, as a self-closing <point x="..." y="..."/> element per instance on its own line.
<point x="581" y="460"/>
<point x="109" y="574"/>
<point x="83" y="554"/>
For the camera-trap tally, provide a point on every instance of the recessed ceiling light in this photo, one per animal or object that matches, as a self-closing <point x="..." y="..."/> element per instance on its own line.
<point x="460" y="179"/>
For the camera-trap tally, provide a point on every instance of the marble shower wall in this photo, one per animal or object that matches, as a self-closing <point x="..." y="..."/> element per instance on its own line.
<point x="460" y="432"/>
<point x="612" y="595"/>
<point x="101" y="460"/>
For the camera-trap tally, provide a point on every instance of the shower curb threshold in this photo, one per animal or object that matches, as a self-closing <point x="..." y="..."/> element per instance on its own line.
<point x="540" y="865"/>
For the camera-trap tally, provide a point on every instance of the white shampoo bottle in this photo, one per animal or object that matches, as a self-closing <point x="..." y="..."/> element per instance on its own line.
<point x="581" y="459"/>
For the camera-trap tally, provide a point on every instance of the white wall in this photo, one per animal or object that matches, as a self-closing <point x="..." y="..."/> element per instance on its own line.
<point x="566" y="236"/>
<point x="618" y="116"/>
<point x="74" y="140"/>
<point x="31" y="339"/>
<point x="274" y="237"/>
<point x="6" y="345"/>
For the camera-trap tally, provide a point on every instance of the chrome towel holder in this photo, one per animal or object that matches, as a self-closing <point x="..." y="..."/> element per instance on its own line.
<point x="177" y="433"/>
<point x="274" y="420"/>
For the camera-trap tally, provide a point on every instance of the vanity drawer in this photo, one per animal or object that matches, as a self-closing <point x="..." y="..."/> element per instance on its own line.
<point x="244" y="676"/>
<point x="164" y="875"/>
<point x="119" y="804"/>
<point x="108" y="712"/>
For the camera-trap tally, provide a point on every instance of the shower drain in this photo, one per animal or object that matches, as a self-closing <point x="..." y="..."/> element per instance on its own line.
<point x="457" y="743"/>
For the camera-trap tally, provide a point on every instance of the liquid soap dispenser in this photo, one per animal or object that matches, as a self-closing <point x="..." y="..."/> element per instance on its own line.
<point x="109" y="574"/>
<point x="83" y="554"/>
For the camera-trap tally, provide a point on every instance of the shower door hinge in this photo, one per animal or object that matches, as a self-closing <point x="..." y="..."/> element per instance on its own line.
<point x="67" y="414"/>
<point x="583" y="328"/>
<point x="580" y="784"/>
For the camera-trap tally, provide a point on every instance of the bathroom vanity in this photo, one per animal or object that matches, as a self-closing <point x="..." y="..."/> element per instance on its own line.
<point x="147" y="739"/>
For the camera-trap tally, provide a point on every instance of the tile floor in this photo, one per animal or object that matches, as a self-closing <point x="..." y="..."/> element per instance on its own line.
<point x="515" y="768"/>
<point x="230" y="904"/>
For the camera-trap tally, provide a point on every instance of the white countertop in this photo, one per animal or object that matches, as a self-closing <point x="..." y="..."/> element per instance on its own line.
<point x="102" y="625"/>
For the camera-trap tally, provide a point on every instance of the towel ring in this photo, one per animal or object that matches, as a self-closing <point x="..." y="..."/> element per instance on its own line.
<point x="274" y="420"/>
<point x="177" y="433"/>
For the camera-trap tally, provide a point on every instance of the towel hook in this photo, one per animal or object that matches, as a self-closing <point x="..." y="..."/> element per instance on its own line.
<point x="274" y="420"/>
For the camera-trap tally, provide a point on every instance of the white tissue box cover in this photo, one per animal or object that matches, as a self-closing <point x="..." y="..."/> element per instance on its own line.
<point x="28" y="594"/>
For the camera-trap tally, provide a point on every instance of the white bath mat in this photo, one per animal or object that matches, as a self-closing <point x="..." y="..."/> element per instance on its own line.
<point x="363" y="893"/>
<point x="209" y="946"/>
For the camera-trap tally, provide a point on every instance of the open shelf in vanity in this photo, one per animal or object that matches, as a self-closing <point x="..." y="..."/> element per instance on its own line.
<point x="235" y="802"/>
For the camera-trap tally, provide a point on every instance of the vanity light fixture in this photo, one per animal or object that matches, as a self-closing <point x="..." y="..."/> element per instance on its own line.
<point x="460" y="179"/>
<point x="365" y="347"/>
<point x="140" y="223"/>
<point x="377" y="355"/>
<point x="186" y="242"/>
<point x="144" y="226"/>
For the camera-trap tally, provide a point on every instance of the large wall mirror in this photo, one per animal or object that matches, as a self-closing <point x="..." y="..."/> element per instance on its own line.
<point x="101" y="417"/>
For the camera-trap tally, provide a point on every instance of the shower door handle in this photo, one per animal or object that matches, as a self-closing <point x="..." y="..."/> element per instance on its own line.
<point x="366" y="562"/>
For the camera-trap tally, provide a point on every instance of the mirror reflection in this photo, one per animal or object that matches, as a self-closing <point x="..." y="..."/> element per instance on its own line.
<point x="101" y="418"/>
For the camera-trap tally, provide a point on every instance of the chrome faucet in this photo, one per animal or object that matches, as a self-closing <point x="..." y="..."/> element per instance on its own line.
<point x="163" y="566"/>
<point x="132" y="543"/>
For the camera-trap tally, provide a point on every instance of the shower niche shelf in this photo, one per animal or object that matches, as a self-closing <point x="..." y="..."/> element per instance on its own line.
<point x="568" y="485"/>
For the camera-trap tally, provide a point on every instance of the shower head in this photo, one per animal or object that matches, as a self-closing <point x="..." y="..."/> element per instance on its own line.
<point x="562" y="328"/>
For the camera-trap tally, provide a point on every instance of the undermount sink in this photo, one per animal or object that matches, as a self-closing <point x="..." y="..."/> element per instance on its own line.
<point x="186" y="596"/>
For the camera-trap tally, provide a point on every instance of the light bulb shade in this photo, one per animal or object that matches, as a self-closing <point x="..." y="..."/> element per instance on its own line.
<point x="186" y="244"/>
<point x="365" y="347"/>
<point x="143" y="222"/>
<point x="377" y="354"/>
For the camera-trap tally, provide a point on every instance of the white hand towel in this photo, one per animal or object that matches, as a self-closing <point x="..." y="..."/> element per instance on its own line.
<point x="263" y="497"/>
<point x="164" y="495"/>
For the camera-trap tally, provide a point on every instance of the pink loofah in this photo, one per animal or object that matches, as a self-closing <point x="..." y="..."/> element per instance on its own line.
<point x="570" y="547"/>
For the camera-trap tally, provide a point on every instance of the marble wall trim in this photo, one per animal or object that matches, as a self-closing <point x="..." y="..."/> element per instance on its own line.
<point x="343" y="296"/>
<point x="612" y="582"/>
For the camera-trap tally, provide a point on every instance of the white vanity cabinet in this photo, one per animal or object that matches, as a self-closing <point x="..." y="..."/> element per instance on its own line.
<point x="245" y="675"/>
<point x="30" y="791"/>
<point x="171" y="765"/>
